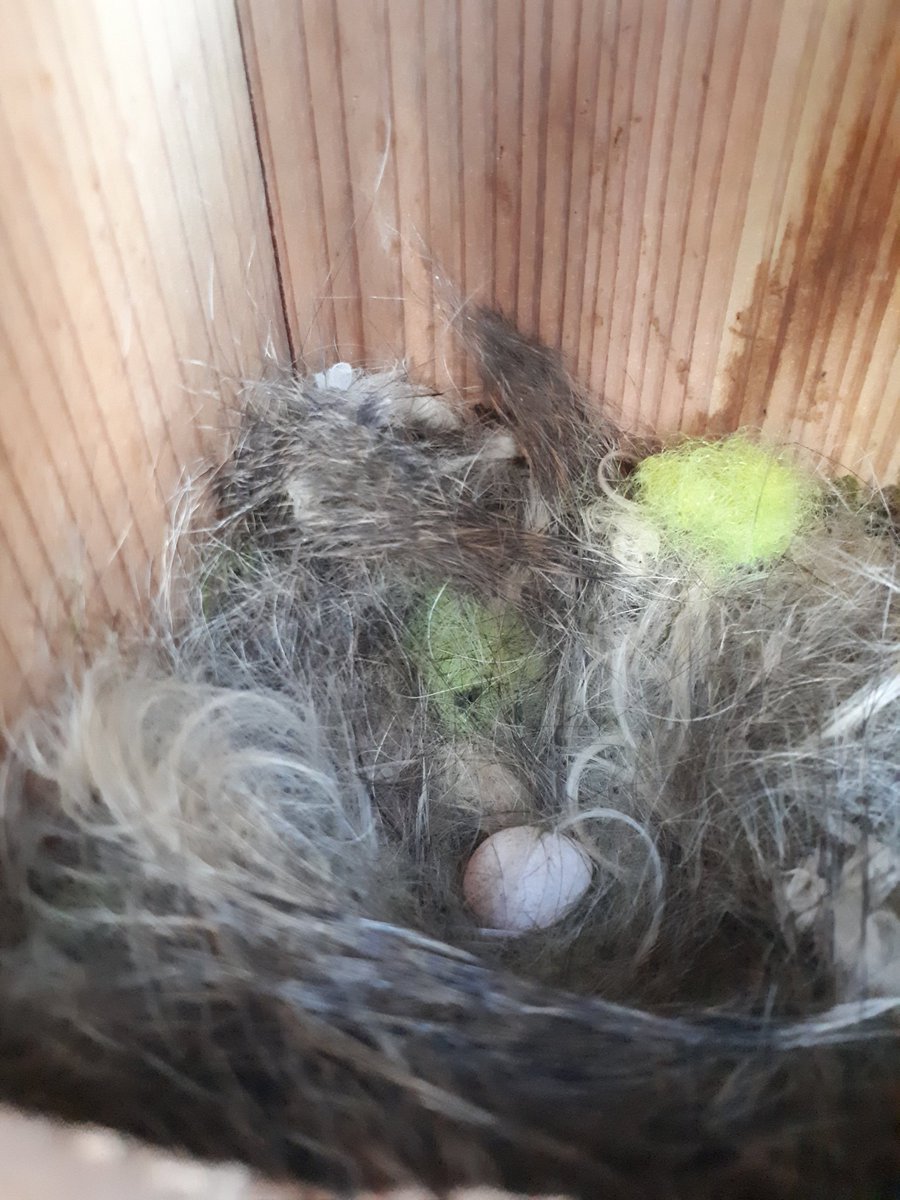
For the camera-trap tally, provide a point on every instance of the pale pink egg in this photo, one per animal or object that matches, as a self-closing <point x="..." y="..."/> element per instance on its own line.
<point x="520" y="879"/>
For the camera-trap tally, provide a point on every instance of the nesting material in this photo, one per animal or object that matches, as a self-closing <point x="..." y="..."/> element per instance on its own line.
<point x="731" y="502"/>
<point x="439" y="671"/>
<point x="522" y="879"/>
<point x="478" y="663"/>
<point x="863" y="926"/>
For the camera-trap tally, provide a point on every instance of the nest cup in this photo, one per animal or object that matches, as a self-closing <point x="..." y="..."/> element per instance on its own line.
<point x="236" y="851"/>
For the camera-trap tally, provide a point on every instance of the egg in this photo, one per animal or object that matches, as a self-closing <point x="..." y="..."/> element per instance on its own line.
<point x="337" y="378"/>
<point x="475" y="782"/>
<point x="521" y="879"/>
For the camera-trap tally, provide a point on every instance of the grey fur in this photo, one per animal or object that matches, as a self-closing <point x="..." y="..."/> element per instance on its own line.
<point x="230" y="881"/>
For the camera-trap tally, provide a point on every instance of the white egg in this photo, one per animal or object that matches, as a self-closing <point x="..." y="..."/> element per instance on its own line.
<point x="337" y="378"/>
<point x="521" y="879"/>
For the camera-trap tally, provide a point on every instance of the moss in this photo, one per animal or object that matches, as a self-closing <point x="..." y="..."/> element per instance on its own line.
<point x="478" y="664"/>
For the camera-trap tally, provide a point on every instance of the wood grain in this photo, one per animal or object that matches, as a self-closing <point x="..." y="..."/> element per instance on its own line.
<point x="137" y="275"/>
<point x="696" y="199"/>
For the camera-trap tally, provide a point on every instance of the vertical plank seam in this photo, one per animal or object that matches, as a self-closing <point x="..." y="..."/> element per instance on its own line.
<point x="543" y="125"/>
<point x="266" y="183"/>
<point x="603" y="213"/>
<point x="714" y="196"/>
<point x="191" y="157"/>
<point x="351" y="240"/>
<point x="865" y="264"/>
<point x="777" y="200"/>
<point x="460" y="142"/>
<point x="576" y="265"/>
<point x="322" y="300"/>
<point x="815" y="182"/>
<point x="172" y="174"/>
<point x="559" y="316"/>
<point x="823" y="320"/>
<point x="596" y="197"/>
<point x="426" y="181"/>
<point x="391" y="151"/>
<point x="689" y="203"/>
<point x="239" y="192"/>
<point x="650" y="315"/>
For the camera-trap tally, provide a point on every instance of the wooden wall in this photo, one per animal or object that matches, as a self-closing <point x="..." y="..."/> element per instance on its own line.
<point x="136" y="265"/>
<point x="697" y="199"/>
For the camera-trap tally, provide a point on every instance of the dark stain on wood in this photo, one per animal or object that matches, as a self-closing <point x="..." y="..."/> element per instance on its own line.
<point x="809" y="298"/>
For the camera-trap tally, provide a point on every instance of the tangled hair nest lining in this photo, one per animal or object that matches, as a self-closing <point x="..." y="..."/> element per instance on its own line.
<point x="232" y="917"/>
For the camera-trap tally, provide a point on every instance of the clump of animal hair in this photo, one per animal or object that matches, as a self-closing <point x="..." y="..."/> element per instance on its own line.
<point x="231" y="913"/>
